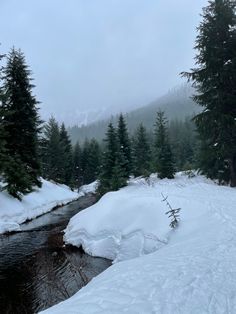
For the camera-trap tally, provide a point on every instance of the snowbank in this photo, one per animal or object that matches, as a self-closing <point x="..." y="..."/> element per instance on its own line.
<point x="122" y="225"/>
<point x="195" y="272"/>
<point x="89" y="188"/>
<point x="14" y="212"/>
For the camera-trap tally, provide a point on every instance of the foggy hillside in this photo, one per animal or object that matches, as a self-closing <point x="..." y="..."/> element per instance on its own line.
<point x="177" y="104"/>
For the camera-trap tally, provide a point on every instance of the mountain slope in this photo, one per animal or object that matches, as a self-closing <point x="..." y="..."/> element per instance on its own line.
<point x="177" y="104"/>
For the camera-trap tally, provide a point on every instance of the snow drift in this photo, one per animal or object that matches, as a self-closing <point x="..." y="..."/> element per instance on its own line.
<point x="195" y="272"/>
<point x="122" y="225"/>
<point x="14" y="212"/>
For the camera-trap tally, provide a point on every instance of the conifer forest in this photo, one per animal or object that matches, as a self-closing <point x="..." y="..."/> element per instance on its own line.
<point x="118" y="151"/>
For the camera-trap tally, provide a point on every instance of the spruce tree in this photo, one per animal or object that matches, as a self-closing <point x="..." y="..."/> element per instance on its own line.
<point x="2" y="130"/>
<point x="183" y="142"/>
<point x="215" y="79"/>
<point x="118" y="176"/>
<point x="163" y="155"/>
<point x="77" y="171"/>
<point x="93" y="162"/>
<point x="3" y="151"/>
<point x="112" y="176"/>
<point x="22" y="123"/>
<point x="141" y="152"/>
<point x="84" y="161"/>
<point x="67" y="161"/>
<point x="124" y="145"/>
<point x="52" y="152"/>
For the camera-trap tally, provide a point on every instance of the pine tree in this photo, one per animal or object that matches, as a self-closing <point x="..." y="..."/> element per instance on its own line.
<point x="77" y="171"/>
<point x="93" y="162"/>
<point x="2" y="131"/>
<point x="21" y="125"/>
<point x="112" y="176"/>
<point x="118" y="176"/>
<point x="141" y="152"/>
<point x="84" y="161"/>
<point x="163" y="154"/>
<point x="183" y="142"/>
<point x="52" y="152"/>
<point x="215" y="79"/>
<point x="124" y="145"/>
<point x="67" y="162"/>
<point x="3" y="151"/>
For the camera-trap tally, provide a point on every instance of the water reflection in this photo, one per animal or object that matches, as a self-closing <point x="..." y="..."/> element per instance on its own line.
<point x="36" y="271"/>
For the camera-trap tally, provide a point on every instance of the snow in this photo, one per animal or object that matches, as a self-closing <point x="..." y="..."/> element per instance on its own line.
<point x="14" y="212"/>
<point x="193" y="272"/>
<point x="89" y="188"/>
<point x="122" y="224"/>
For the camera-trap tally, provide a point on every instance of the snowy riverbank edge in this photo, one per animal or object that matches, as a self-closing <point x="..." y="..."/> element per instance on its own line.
<point x="14" y="212"/>
<point x="194" y="272"/>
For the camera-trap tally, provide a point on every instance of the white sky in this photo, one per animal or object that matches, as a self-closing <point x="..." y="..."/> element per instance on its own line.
<point x="89" y="55"/>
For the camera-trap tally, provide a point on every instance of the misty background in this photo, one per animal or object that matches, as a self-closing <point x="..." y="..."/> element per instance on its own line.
<point x="94" y="58"/>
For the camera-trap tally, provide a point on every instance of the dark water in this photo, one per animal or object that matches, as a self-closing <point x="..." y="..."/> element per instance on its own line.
<point x="36" y="271"/>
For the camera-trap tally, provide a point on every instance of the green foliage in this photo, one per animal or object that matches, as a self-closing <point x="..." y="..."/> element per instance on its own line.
<point x="21" y="126"/>
<point x="77" y="170"/>
<point x="177" y="105"/>
<point x="2" y="131"/>
<point x="52" y="152"/>
<point x="141" y="152"/>
<point x="163" y="155"/>
<point x="66" y="157"/>
<point x="90" y="161"/>
<point x="3" y="151"/>
<point x="118" y="176"/>
<point x="112" y="176"/>
<point x="214" y="79"/>
<point x="124" y="146"/>
<point x="183" y="143"/>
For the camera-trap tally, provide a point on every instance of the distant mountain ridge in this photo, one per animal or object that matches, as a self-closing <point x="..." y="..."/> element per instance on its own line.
<point x="177" y="105"/>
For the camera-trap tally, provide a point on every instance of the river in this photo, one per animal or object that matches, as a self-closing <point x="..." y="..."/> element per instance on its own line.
<point x="36" y="270"/>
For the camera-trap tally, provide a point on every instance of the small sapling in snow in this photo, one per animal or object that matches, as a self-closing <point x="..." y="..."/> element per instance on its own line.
<point x="173" y="213"/>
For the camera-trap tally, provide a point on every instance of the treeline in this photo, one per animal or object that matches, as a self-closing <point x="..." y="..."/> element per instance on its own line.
<point x="168" y="148"/>
<point x="146" y="152"/>
<point x="29" y="149"/>
<point x="62" y="163"/>
<point x="177" y="104"/>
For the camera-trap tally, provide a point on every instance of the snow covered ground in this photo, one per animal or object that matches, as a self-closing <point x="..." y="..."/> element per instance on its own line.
<point x="13" y="212"/>
<point x="193" y="269"/>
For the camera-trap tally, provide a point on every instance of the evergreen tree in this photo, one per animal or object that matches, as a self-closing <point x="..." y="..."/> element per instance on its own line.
<point x="124" y="145"/>
<point x="215" y="79"/>
<point x="93" y="162"/>
<point x="67" y="160"/>
<point x="112" y="176"/>
<point x="2" y="131"/>
<point x="2" y="142"/>
<point x="118" y="176"/>
<point x="52" y="152"/>
<point x="141" y="152"/>
<point x="184" y="143"/>
<point x="84" y="161"/>
<point x="22" y="122"/>
<point x="77" y="171"/>
<point x="163" y="154"/>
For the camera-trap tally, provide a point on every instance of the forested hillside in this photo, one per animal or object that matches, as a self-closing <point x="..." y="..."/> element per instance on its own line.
<point x="177" y="104"/>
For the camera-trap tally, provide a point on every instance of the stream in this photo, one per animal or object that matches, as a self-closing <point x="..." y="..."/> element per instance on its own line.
<point x="36" y="271"/>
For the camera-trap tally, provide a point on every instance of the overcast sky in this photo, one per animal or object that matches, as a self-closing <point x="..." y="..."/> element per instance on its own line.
<point x="101" y="55"/>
